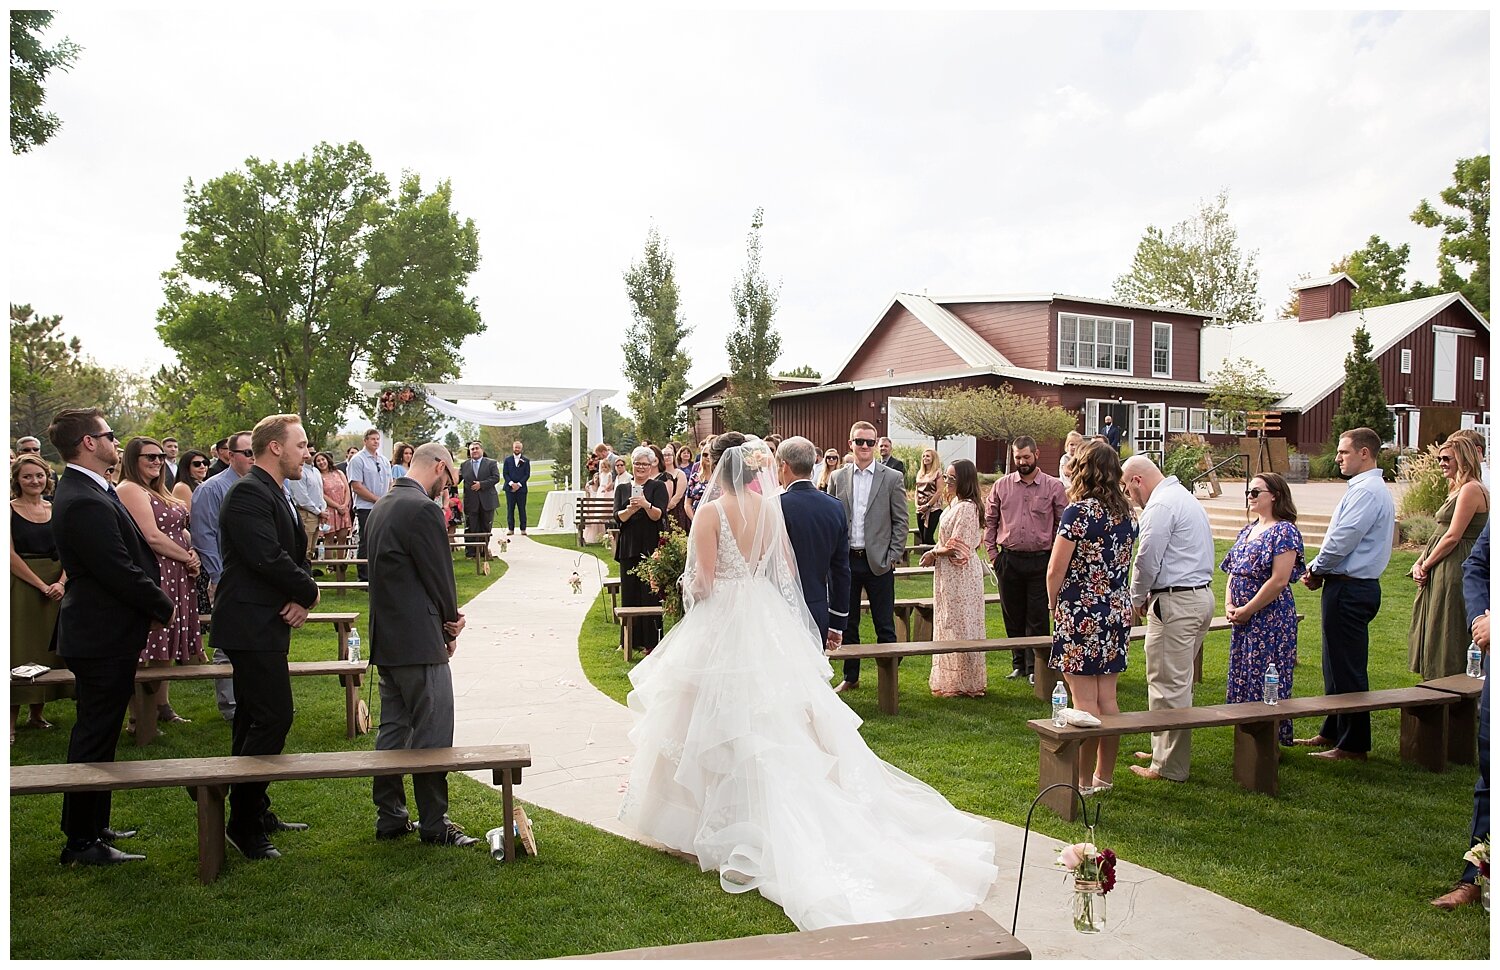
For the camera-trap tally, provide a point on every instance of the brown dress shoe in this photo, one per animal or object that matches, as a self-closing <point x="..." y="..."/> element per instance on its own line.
<point x="1339" y="754"/>
<point x="1464" y="894"/>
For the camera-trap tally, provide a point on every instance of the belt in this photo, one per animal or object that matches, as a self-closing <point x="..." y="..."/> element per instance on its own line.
<point x="1342" y="578"/>
<point x="1180" y="589"/>
<point x="1027" y="552"/>
<point x="857" y="553"/>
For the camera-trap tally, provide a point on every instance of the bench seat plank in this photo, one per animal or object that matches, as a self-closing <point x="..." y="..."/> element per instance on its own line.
<point x="958" y="936"/>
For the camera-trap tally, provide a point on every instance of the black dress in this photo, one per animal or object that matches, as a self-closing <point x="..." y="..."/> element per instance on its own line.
<point x="33" y="617"/>
<point x="638" y="538"/>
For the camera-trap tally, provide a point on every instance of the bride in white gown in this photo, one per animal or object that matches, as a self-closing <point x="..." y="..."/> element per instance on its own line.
<point x="745" y="757"/>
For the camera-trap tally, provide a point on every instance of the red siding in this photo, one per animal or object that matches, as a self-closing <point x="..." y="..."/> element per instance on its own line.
<point x="1018" y="330"/>
<point x="903" y="344"/>
<point x="1322" y="302"/>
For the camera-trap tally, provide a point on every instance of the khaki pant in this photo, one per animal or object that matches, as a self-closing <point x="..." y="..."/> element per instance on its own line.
<point x="310" y="522"/>
<point x="1176" y="624"/>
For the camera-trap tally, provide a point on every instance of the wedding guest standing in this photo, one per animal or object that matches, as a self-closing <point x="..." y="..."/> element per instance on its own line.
<point x="889" y="460"/>
<point x="162" y="519"/>
<point x="1263" y="563"/>
<point x="369" y="477"/>
<point x="338" y="513"/>
<point x="481" y="476"/>
<point x="208" y="499"/>
<point x="517" y="473"/>
<point x="929" y="497"/>
<point x="192" y="471"/>
<point x="831" y="463"/>
<point x="400" y="459"/>
<point x="1070" y="448"/>
<point x="37" y="582"/>
<point x="1088" y="592"/>
<point x="676" y="481"/>
<point x="958" y="586"/>
<point x="640" y="505"/>
<point x="703" y="471"/>
<point x="1438" y="639"/>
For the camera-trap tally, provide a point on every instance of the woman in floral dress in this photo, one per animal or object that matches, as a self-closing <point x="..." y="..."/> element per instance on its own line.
<point x="1088" y="592"/>
<point x="1263" y="563"/>
<point x="958" y="586"/>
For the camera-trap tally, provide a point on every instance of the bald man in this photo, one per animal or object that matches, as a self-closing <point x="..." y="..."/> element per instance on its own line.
<point x="1171" y="588"/>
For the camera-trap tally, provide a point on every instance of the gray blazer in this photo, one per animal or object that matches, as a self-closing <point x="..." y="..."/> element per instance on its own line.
<point x="412" y="592"/>
<point x="885" y="517"/>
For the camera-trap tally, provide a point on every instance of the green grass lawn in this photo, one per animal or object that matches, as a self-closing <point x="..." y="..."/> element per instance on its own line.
<point x="1352" y="852"/>
<point x="337" y="893"/>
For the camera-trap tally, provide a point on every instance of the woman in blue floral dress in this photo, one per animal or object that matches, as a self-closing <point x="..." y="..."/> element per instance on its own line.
<point x="1088" y="591"/>
<point x="1262" y="565"/>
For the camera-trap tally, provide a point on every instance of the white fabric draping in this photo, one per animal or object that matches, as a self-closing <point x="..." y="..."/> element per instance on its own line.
<point x="504" y="419"/>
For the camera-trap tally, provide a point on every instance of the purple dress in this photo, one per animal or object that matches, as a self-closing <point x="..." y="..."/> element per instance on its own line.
<point x="181" y="639"/>
<point x="1271" y="635"/>
<point x="1093" y="607"/>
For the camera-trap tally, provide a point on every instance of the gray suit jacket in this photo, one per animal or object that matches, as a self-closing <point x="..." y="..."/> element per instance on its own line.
<point x="412" y="593"/>
<point x="885" y="516"/>
<point x="489" y="476"/>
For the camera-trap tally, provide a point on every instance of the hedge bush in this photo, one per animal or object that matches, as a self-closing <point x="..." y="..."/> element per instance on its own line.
<point x="1426" y="488"/>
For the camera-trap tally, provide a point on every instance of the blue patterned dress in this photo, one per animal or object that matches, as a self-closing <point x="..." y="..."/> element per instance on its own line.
<point x="1092" y="622"/>
<point x="1271" y="634"/>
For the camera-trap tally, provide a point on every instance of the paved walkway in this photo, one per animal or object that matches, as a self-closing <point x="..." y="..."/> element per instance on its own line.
<point x="517" y="678"/>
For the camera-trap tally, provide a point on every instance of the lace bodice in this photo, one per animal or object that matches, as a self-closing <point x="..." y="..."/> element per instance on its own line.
<point x="731" y="565"/>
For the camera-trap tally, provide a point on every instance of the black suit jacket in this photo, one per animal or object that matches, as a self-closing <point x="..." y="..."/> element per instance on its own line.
<point x="639" y="537"/>
<point x="412" y="593"/>
<point x="487" y="498"/>
<point x="819" y="533"/>
<point x="264" y="550"/>
<point x="215" y="468"/>
<point x="114" y="584"/>
<point x="894" y="462"/>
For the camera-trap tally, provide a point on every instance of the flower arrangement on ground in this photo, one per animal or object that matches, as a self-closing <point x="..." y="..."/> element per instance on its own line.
<point x="1093" y="872"/>
<point x="662" y="570"/>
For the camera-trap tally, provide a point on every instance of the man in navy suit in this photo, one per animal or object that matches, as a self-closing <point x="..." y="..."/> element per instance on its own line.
<point x="819" y="534"/>
<point x="517" y="473"/>
<point x="113" y="598"/>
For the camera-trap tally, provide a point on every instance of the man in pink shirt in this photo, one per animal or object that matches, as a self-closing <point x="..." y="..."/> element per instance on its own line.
<point x="1021" y="517"/>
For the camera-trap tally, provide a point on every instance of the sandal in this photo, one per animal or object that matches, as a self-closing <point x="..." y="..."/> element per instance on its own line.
<point x="39" y="723"/>
<point x="165" y="715"/>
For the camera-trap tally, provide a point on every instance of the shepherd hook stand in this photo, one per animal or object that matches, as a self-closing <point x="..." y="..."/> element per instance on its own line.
<point x="1021" y="873"/>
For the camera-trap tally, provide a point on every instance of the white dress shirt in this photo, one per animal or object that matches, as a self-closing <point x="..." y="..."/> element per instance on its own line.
<point x="861" y="484"/>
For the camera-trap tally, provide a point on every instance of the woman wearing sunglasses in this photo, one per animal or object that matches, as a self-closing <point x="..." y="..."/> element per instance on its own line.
<point x="831" y="464"/>
<point x="1439" y="638"/>
<point x="1263" y="563"/>
<point x="163" y="520"/>
<point x="192" y="471"/>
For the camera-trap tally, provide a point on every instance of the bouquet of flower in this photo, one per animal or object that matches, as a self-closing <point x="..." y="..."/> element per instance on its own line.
<point x="662" y="570"/>
<point x="1479" y="855"/>
<point x="1093" y="872"/>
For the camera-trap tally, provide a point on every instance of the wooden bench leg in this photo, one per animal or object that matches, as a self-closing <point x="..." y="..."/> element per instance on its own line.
<point x="887" y="688"/>
<point x="919" y="628"/>
<point x="1198" y="666"/>
<point x="1463" y="731"/>
<point x="351" y="703"/>
<point x="1046" y="677"/>
<point x="144" y="706"/>
<point x="1256" y="757"/>
<point x="1057" y="761"/>
<point x="508" y="807"/>
<point x="343" y="630"/>
<point x="901" y="617"/>
<point x="210" y="799"/>
<point x="627" y="631"/>
<point x="1424" y="736"/>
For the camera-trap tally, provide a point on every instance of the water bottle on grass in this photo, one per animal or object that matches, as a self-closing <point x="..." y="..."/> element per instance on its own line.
<point x="1272" y="692"/>
<point x="1059" y="702"/>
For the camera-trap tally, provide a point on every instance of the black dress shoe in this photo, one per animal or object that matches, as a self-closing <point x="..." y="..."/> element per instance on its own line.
<point x="97" y="854"/>
<point x="451" y="835"/>
<point x="115" y="835"/>
<point x="396" y="833"/>
<point x="271" y="823"/>
<point x="1015" y="675"/>
<point x="253" y="845"/>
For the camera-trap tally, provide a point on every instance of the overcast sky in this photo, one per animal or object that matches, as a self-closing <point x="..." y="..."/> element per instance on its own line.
<point x="957" y="153"/>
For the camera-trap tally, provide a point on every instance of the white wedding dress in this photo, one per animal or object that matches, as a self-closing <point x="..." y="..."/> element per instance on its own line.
<point x="746" y="759"/>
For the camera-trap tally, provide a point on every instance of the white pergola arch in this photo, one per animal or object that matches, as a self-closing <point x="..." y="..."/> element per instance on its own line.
<point x="584" y="404"/>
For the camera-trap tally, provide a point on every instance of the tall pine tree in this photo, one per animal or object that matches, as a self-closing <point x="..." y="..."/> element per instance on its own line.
<point x="655" y="362"/>
<point x="1363" y="403"/>
<point x="753" y="345"/>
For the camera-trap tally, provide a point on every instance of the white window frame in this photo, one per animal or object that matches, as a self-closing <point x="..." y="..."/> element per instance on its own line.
<point x="1177" y="420"/>
<point x="1479" y="368"/>
<point x="1198" y="420"/>
<point x="1115" y="323"/>
<point x="1158" y="327"/>
<point x="1406" y="361"/>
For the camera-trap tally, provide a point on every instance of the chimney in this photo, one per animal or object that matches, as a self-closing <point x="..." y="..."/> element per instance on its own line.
<point x="1321" y="298"/>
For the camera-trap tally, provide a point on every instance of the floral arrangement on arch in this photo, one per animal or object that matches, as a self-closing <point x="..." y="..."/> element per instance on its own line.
<point x="397" y="399"/>
<point x="663" y="569"/>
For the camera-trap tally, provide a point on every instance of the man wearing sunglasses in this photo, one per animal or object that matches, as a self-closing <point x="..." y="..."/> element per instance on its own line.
<point x="208" y="498"/>
<point x="874" y="498"/>
<point x="114" y="598"/>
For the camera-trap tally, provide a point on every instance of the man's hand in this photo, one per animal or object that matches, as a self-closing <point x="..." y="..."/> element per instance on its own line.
<point x="294" y="614"/>
<point x="1480" y="631"/>
<point x="212" y="589"/>
<point x="835" y="640"/>
<point x="453" y="629"/>
<point x="1138" y="615"/>
<point x="452" y="647"/>
<point x="1311" y="580"/>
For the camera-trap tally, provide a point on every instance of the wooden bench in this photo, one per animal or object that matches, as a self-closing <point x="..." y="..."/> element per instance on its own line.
<point x="143" y="706"/>
<point x="956" y="936"/>
<point x="626" y="616"/>
<point x="342" y="623"/>
<point x="888" y="655"/>
<point x="1463" y="717"/>
<point x="341" y="587"/>
<point x="208" y="779"/>
<point x="1256" y="749"/>
<point x="592" y="510"/>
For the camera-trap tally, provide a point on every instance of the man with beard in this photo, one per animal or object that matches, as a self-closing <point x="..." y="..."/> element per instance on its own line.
<point x="1021" y="517"/>
<point x="414" y="627"/>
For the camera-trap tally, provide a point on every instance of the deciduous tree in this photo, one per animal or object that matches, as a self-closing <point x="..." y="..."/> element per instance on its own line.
<point x="753" y="345"/>
<point x="1379" y="269"/>
<point x="656" y="362"/>
<point x="1238" y="386"/>
<point x="933" y="413"/>
<point x="30" y="63"/>
<point x="1466" y="233"/>
<point x="1000" y="414"/>
<point x="805" y="370"/>
<point x="49" y="372"/>
<point x="1363" y="402"/>
<point x="1196" y="264"/>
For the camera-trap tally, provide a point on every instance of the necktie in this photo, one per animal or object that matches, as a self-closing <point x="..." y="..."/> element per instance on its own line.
<point x="115" y="497"/>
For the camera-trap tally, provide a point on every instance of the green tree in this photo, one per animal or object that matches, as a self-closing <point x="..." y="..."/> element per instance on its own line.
<point x="616" y="429"/>
<point x="932" y="413"/>
<point x="754" y="344"/>
<point x="1466" y="233"/>
<point x="30" y="63"/>
<point x="805" y="370"/>
<point x="656" y="362"/>
<point x="1239" y="385"/>
<point x="1196" y="264"/>
<point x="292" y="276"/>
<point x="1000" y="414"/>
<point x="49" y="372"/>
<point x="1379" y="270"/>
<point x="1363" y="402"/>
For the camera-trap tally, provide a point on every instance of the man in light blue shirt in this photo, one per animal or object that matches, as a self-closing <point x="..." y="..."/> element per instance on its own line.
<point x="369" y="479"/>
<point x="207" y="500"/>
<point x="1355" y="552"/>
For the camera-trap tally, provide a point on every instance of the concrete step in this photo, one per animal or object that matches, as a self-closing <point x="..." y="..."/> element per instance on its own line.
<point x="1312" y="535"/>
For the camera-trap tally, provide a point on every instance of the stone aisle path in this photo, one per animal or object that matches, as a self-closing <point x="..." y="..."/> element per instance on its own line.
<point x="517" y="678"/>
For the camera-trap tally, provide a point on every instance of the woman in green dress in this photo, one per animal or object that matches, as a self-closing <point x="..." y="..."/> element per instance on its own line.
<point x="1439" y="637"/>
<point x="36" y="585"/>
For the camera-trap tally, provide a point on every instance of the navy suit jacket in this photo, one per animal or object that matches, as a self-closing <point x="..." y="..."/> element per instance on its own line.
<point x="517" y="470"/>
<point x="819" y="533"/>
<point x="1477" y="577"/>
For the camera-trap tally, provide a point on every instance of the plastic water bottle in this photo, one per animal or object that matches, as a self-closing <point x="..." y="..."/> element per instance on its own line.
<point x="1272" y="692"/>
<point x="320" y="549"/>
<point x="354" y="645"/>
<point x="1476" y="662"/>
<point x="1059" y="703"/>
